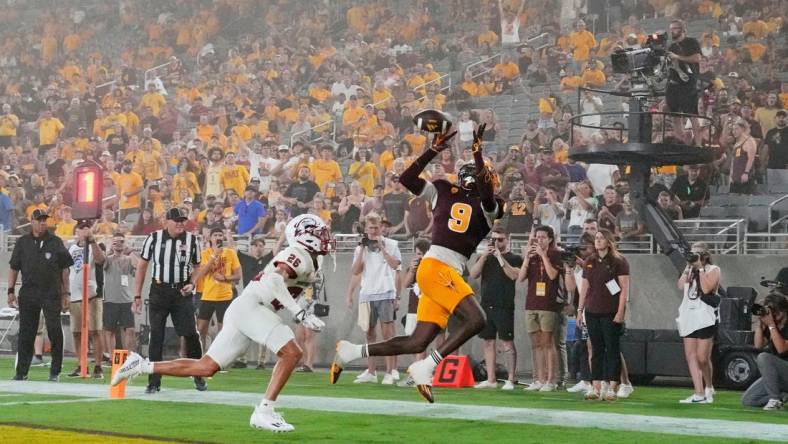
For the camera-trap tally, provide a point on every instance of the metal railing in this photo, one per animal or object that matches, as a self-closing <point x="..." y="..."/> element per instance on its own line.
<point x="774" y="223"/>
<point x="766" y="243"/>
<point x="482" y="62"/>
<point x="439" y="79"/>
<point x="331" y="122"/>
<point x="723" y="236"/>
<point x="152" y="73"/>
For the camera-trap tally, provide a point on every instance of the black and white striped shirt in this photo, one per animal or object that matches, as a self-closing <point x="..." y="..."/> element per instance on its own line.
<point x="173" y="258"/>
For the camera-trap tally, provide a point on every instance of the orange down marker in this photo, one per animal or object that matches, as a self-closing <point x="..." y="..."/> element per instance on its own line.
<point x="118" y="358"/>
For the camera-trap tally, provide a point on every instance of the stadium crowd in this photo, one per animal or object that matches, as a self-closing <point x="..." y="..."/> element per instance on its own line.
<point x="323" y="125"/>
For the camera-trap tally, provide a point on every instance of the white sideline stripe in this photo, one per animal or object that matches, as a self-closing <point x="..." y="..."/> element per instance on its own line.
<point x="564" y="418"/>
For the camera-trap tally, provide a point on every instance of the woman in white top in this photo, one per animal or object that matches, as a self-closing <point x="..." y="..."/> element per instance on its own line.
<point x="697" y="321"/>
<point x="510" y="25"/>
<point x="465" y="128"/>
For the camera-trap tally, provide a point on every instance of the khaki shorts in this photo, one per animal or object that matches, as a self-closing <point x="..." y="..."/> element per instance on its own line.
<point x="95" y="315"/>
<point x="540" y="320"/>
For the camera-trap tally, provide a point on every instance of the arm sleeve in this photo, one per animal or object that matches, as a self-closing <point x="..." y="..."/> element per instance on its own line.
<point x="147" y="246"/>
<point x="410" y="177"/>
<point x="16" y="257"/>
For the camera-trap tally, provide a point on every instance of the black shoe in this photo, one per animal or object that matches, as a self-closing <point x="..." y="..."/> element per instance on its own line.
<point x="19" y="377"/>
<point x="76" y="373"/>
<point x="151" y="389"/>
<point x="200" y="384"/>
<point x="260" y="366"/>
<point x="238" y="364"/>
<point x="54" y="378"/>
<point x="98" y="373"/>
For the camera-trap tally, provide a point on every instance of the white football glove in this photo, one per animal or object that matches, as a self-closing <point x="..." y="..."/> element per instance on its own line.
<point x="310" y="321"/>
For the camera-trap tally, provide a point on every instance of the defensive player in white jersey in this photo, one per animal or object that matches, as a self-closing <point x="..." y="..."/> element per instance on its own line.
<point x="252" y="317"/>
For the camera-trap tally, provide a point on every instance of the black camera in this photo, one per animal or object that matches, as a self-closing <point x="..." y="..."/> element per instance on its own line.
<point x="759" y="310"/>
<point x="367" y="242"/>
<point x="646" y="59"/>
<point x="570" y="253"/>
<point x="691" y="257"/>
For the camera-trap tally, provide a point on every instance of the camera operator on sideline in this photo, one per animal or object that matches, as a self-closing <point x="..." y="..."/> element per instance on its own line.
<point x="377" y="260"/>
<point x="697" y="321"/>
<point x="498" y="268"/>
<point x="681" y="92"/>
<point x="771" y="335"/>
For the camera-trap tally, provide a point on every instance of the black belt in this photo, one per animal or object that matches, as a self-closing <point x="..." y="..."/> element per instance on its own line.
<point x="177" y="286"/>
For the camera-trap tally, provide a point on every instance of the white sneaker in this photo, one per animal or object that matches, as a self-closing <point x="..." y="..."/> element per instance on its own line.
<point x="268" y="419"/>
<point x="624" y="390"/>
<point x="709" y="392"/>
<point x="421" y="371"/>
<point x="395" y="374"/>
<point x="131" y="368"/>
<point x="581" y="386"/>
<point x="694" y="399"/>
<point x="388" y="379"/>
<point x="486" y="385"/>
<point x="774" y="404"/>
<point x="610" y="395"/>
<point x="591" y="395"/>
<point x="603" y="389"/>
<point x="508" y="385"/>
<point x="534" y="386"/>
<point x="366" y="377"/>
<point x="549" y="387"/>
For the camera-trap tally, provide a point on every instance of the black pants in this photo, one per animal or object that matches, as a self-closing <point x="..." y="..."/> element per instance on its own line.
<point x="30" y="306"/>
<point x="167" y="301"/>
<point x="605" y="338"/>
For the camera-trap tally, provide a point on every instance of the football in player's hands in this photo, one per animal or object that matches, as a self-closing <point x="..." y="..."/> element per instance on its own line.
<point x="313" y="323"/>
<point x="432" y="121"/>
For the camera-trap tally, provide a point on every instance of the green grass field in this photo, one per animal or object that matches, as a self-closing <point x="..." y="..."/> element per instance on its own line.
<point x="226" y="423"/>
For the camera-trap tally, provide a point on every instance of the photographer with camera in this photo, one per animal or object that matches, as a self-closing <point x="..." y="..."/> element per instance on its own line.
<point x="377" y="260"/>
<point x="698" y="318"/>
<point x="771" y="336"/>
<point x="498" y="268"/>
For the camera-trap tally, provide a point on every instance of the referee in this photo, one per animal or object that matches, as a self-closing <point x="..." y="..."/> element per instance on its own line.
<point x="175" y="255"/>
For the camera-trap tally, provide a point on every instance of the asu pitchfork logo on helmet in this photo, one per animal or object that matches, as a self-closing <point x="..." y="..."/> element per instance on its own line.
<point x="310" y="232"/>
<point x="467" y="176"/>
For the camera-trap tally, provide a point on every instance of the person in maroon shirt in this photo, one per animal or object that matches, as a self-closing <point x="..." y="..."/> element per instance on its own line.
<point x="542" y="267"/>
<point x="604" y="290"/>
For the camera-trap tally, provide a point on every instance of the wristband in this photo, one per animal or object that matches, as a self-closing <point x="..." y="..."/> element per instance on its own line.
<point x="137" y="297"/>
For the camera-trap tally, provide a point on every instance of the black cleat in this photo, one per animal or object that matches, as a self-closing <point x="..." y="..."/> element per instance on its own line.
<point x="54" y="378"/>
<point x="152" y="389"/>
<point x="19" y="377"/>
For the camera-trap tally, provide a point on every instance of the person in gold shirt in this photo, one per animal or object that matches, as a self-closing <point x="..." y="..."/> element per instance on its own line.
<point x="38" y="204"/>
<point x="416" y="140"/>
<point x="153" y="99"/>
<point x="153" y="164"/>
<point x="130" y="186"/>
<point x="184" y="180"/>
<point x="581" y="41"/>
<point x="107" y="225"/>
<point x="507" y="68"/>
<point x="132" y="119"/>
<point x="234" y="177"/>
<point x="66" y="225"/>
<point x="353" y="116"/>
<point x="325" y="170"/>
<point x="593" y="76"/>
<point x="364" y="171"/>
<point x="9" y="123"/>
<point x="49" y="129"/>
<point x="216" y="286"/>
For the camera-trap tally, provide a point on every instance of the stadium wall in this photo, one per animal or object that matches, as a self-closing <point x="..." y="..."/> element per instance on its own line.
<point x="653" y="302"/>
